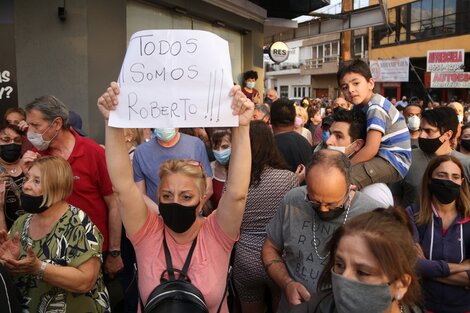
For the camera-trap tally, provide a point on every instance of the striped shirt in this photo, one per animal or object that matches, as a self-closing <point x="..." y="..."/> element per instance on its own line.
<point x="395" y="146"/>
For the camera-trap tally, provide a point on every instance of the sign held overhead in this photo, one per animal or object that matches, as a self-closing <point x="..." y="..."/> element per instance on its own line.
<point x="175" y="78"/>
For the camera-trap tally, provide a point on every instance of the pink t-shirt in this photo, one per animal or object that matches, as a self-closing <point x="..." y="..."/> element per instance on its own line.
<point x="209" y="264"/>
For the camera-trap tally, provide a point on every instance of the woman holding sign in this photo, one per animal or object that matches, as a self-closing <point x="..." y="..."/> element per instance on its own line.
<point x="181" y="195"/>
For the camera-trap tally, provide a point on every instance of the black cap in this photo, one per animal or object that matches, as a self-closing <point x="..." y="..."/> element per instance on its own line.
<point x="76" y="123"/>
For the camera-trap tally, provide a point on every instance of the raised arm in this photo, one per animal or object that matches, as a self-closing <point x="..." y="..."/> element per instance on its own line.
<point x="232" y="204"/>
<point x="131" y="203"/>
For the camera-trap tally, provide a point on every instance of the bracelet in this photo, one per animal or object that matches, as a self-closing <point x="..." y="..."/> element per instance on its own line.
<point x="272" y="262"/>
<point x="40" y="274"/>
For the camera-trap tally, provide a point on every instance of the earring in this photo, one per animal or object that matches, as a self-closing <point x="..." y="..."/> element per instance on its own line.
<point x="399" y="297"/>
<point x="201" y="213"/>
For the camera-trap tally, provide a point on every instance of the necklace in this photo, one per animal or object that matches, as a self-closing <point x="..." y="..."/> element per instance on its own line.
<point x="401" y="308"/>
<point x="315" y="246"/>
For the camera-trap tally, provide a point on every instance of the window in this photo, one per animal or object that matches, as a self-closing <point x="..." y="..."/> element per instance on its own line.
<point x="423" y="20"/>
<point x="284" y="91"/>
<point x="301" y="91"/>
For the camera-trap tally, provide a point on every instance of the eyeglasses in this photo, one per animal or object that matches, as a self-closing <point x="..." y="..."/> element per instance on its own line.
<point x="331" y="206"/>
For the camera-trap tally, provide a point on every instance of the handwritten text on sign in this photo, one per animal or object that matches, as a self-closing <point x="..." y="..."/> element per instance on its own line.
<point x="175" y="78"/>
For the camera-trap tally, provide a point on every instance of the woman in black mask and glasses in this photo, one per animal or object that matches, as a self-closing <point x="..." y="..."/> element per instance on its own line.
<point x="442" y="236"/>
<point x="11" y="174"/>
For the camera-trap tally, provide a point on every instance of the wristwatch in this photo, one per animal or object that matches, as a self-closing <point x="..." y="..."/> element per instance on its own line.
<point x="115" y="253"/>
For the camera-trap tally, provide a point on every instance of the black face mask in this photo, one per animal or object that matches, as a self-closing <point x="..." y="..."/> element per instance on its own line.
<point x="331" y="214"/>
<point x="444" y="190"/>
<point x="10" y="152"/>
<point x="429" y="146"/>
<point x="177" y="217"/>
<point x="465" y="143"/>
<point x="32" y="204"/>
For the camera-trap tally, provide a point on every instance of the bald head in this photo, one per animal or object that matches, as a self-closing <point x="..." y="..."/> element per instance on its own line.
<point x="328" y="160"/>
<point x="457" y="106"/>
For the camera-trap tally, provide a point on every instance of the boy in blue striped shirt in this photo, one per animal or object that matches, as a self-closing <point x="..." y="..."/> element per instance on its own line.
<point x="386" y="155"/>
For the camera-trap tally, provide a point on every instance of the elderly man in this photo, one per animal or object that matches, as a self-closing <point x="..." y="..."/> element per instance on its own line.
<point x="293" y="252"/>
<point x="50" y="133"/>
<point x="261" y="113"/>
<point x="272" y="94"/>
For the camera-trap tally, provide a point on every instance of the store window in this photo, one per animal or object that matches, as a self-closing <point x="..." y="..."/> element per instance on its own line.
<point x="423" y="20"/>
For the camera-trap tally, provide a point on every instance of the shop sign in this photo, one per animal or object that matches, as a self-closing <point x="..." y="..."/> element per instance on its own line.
<point x="390" y="70"/>
<point x="446" y="61"/>
<point x="279" y="52"/>
<point x="450" y="80"/>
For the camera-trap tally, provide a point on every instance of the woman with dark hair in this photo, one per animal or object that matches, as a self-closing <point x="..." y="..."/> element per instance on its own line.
<point x="442" y="234"/>
<point x="11" y="140"/>
<point x="370" y="268"/>
<point x="270" y="181"/>
<point x="221" y="147"/>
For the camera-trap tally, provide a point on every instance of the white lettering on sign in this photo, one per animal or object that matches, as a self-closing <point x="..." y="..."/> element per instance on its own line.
<point x="175" y="78"/>
<point x="5" y="91"/>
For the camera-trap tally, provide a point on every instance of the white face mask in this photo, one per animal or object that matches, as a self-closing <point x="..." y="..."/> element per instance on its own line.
<point x="413" y="123"/>
<point x="38" y="141"/>
<point x="337" y="148"/>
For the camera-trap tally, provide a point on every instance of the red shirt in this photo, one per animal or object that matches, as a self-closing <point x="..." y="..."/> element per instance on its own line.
<point x="91" y="181"/>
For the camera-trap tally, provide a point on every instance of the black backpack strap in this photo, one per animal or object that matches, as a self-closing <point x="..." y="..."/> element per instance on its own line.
<point x="169" y="264"/>
<point x="183" y="273"/>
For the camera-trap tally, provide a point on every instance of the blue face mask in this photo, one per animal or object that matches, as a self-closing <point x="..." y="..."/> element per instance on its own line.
<point x="325" y="135"/>
<point x="250" y="85"/>
<point x="222" y="156"/>
<point x="165" y="134"/>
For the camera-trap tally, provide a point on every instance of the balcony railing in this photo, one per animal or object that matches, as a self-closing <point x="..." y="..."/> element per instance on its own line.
<point x="282" y="66"/>
<point x="312" y="64"/>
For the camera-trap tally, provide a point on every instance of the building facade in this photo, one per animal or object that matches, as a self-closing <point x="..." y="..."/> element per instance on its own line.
<point x="73" y="49"/>
<point x="414" y="28"/>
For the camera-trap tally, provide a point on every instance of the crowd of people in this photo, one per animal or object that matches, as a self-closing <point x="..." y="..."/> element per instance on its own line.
<point x="361" y="204"/>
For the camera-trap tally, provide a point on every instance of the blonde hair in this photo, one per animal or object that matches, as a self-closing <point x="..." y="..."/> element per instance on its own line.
<point x="190" y="168"/>
<point x="463" y="201"/>
<point x="56" y="178"/>
<point x="134" y="134"/>
<point x="303" y="113"/>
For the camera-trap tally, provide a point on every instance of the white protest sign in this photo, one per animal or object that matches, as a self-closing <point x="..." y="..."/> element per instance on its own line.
<point x="175" y="78"/>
